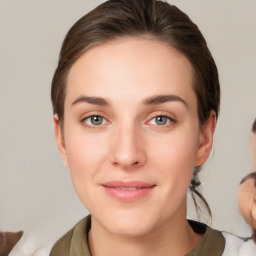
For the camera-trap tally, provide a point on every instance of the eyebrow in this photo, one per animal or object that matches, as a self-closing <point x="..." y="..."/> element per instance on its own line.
<point x="91" y="100"/>
<point x="159" y="99"/>
<point x="154" y="100"/>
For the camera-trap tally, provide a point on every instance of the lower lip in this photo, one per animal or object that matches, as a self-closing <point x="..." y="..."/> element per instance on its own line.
<point x="128" y="195"/>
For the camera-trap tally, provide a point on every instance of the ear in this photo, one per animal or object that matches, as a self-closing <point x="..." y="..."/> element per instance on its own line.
<point x="60" y="140"/>
<point x="206" y="139"/>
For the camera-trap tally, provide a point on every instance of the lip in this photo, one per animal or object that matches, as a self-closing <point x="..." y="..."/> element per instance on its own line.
<point x="128" y="191"/>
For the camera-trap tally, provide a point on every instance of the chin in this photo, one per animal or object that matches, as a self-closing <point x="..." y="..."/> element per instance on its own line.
<point x="131" y="223"/>
<point x="131" y="229"/>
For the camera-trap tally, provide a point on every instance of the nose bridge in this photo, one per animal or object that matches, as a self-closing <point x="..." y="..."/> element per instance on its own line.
<point x="127" y="149"/>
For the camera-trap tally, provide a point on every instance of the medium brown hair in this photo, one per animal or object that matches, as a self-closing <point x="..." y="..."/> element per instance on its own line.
<point x="254" y="126"/>
<point x="152" y="19"/>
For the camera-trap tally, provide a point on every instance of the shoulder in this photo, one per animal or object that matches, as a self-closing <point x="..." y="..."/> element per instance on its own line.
<point x="217" y="243"/>
<point x="237" y="246"/>
<point x="212" y="242"/>
<point x="64" y="245"/>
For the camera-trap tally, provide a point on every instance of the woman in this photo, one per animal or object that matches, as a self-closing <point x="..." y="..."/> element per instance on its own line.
<point x="135" y="99"/>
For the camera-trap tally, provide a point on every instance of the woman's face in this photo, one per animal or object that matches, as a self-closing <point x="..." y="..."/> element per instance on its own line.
<point x="131" y="134"/>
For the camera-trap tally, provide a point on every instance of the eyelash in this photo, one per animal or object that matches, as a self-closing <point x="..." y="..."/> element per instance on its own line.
<point x="84" y="121"/>
<point x="169" y="120"/>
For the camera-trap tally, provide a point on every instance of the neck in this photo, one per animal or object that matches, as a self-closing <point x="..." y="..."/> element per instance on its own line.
<point x="175" y="237"/>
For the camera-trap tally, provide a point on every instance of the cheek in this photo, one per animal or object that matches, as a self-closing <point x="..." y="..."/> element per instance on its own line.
<point x="174" y="165"/>
<point x="85" y="156"/>
<point x="84" y="151"/>
<point x="178" y="166"/>
<point x="175" y="159"/>
<point x="177" y="152"/>
<point x="245" y="205"/>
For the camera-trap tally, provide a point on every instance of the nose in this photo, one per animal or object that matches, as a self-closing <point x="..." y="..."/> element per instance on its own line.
<point x="127" y="150"/>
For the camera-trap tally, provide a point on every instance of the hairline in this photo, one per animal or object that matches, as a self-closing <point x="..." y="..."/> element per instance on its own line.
<point x="142" y="36"/>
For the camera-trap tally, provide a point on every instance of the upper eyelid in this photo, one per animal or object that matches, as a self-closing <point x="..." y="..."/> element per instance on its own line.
<point x="86" y="117"/>
<point x="91" y="126"/>
<point x="161" y="113"/>
<point x="90" y="114"/>
<point x="94" y="116"/>
<point x="150" y="116"/>
<point x="170" y="118"/>
<point x="93" y="113"/>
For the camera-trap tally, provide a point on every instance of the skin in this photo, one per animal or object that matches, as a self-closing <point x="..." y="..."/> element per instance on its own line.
<point x="130" y="145"/>
<point x="247" y="192"/>
<point x="247" y="202"/>
<point x="253" y="150"/>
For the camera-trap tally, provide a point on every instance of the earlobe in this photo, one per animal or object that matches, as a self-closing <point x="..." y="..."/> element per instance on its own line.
<point x="206" y="139"/>
<point x="60" y="140"/>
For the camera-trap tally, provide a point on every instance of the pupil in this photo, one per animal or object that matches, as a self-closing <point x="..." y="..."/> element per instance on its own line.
<point x="161" y="120"/>
<point x="96" y="120"/>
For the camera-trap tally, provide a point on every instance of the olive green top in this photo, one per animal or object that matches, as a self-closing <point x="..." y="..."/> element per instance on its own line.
<point x="75" y="243"/>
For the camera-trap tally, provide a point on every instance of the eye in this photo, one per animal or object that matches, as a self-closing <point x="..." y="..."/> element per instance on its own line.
<point x="94" y="120"/>
<point x="161" y="120"/>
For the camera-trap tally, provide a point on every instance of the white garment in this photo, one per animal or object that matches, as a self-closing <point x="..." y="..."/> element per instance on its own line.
<point x="236" y="246"/>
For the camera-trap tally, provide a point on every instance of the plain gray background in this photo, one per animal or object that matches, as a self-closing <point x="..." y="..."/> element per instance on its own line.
<point x="35" y="189"/>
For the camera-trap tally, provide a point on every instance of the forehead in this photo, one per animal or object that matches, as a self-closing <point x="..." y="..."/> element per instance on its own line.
<point x="131" y="64"/>
<point x="248" y="186"/>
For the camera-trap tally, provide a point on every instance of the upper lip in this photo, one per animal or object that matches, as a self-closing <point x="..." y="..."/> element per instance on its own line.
<point x="127" y="184"/>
